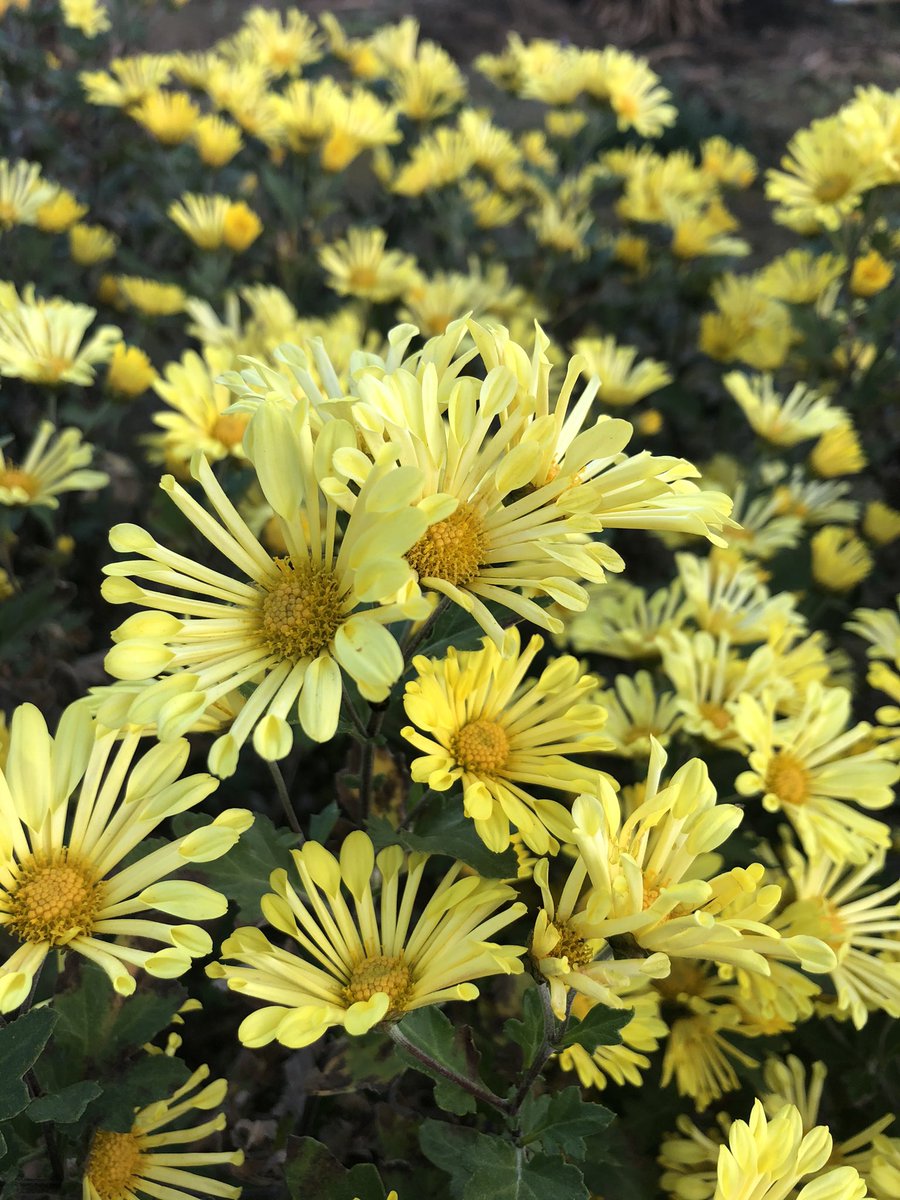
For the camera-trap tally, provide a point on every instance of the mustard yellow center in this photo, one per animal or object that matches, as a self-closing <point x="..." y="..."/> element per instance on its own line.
<point x="379" y="973"/>
<point x="788" y="779"/>
<point x="363" y="277"/>
<point x="12" y="477"/>
<point x="300" y="615"/>
<point x="53" y="900"/>
<point x="230" y="428"/>
<point x="452" y="549"/>
<point x="715" y="714"/>
<point x="113" y="1164"/>
<point x="578" y="951"/>
<point x="626" y="106"/>
<point x="481" y="746"/>
<point x="833" y="187"/>
<point x="8" y="212"/>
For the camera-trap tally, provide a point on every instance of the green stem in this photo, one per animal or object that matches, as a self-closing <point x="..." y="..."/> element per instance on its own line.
<point x="417" y="637"/>
<point x="545" y="1051"/>
<point x="478" y="1090"/>
<point x="281" y="789"/>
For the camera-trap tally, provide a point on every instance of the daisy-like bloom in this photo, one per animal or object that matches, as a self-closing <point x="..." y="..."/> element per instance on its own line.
<point x="23" y="193"/>
<point x="290" y="624"/>
<point x="643" y="871"/>
<point x="623" y="621"/>
<point x="710" y="677"/>
<point x="760" y="527"/>
<point x="42" y="340"/>
<point x="809" y="765"/>
<point x="801" y="277"/>
<point x="202" y="218"/>
<point x="870" y="274"/>
<point x="492" y="209"/>
<point x="562" y="226"/>
<point x="217" y="140"/>
<point x="282" y="43"/>
<point x="632" y="90"/>
<point x="637" y="711"/>
<point x="729" y="165"/>
<point x="146" y="1162"/>
<point x="689" y="1157"/>
<point x="91" y="17"/>
<point x="881" y="523"/>
<point x="482" y="725"/>
<point x="198" y="420"/>
<point x="783" y="421"/>
<point x="726" y="595"/>
<point x="625" y="1062"/>
<point x="838" y="452"/>
<point x="767" y="1160"/>
<point x="170" y="117"/>
<point x="815" y="501"/>
<point x="368" y="962"/>
<point x="748" y="326"/>
<point x="58" y="214"/>
<point x="429" y="86"/>
<point x="129" y="80"/>
<point x="90" y="244"/>
<point x="834" y="902"/>
<point x="700" y="1055"/>
<point x="622" y="383"/>
<point x="357" y="121"/>
<point x="130" y="371"/>
<point x="241" y="228"/>
<point x="151" y="297"/>
<point x="826" y="173"/>
<point x="840" y="560"/>
<point x="359" y="265"/>
<point x="54" y="463"/>
<point x="881" y="629"/>
<point x="439" y="158"/>
<point x="59" y="886"/>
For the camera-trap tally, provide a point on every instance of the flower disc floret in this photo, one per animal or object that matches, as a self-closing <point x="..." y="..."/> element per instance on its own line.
<point x="300" y="615"/>
<point x="453" y="549"/>
<point x="53" y="899"/>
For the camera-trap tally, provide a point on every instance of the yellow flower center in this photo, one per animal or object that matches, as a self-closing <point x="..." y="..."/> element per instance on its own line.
<point x="300" y="615"/>
<point x="833" y="187"/>
<point x="684" y="979"/>
<point x="8" y="212"/>
<point x="626" y="106"/>
<point x="578" y="951"/>
<point x="715" y="714"/>
<point x="363" y="277"/>
<point x="12" y="477"/>
<point x="379" y="973"/>
<point x="53" y="900"/>
<point x="452" y="549"/>
<point x="230" y="428"/>
<point x="52" y="368"/>
<point x="481" y="747"/>
<point x="788" y="779"/>
<point x="113" y="1164"/>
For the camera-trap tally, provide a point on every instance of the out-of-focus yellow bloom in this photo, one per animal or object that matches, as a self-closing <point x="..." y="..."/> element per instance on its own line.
<point x="650" y="422"/>
<point x="90" y="244"/>
<point x="782" y="421"/>
<point x="129" y="80"/>
<point x="731" y="166"/>
<point x="122" y="1166"/>
<point x="490" y="207"/>
<point x="197" y="420"/>
<point x="429" y="86"/>
<point x="562" y="227"/>
<point x="241" y="227"/>
<point x="357" y="121"/>
<point x="533" y="144"/>
<point x="565" y="123"/>
<point x="838" y="452"/>
<point x="632" y="251"/>
<point x="283" y="43"/>
<point x="54" y="463"/>
<point x="749" y="326"/>
<point x="881" y="523"/>
<point x="871" y="274"/>
<point x="704" y="232"/>
<point x="41" y="340"/>
<point x="625" y="1062"/>
<point x="632" y="90"/>
<point x="23" y="193"/>
<point x="439" y="158"/>
<point x="211" y="221"/>
<point x="151" y="297"/>
<point x="840" y="560"/>
<point x="621" y="620"/>
<point x="169" y="116"/>
<point x="60" y="213"/>
<point x="89" y="16"/>
<point x="637" y="711"/>
<point x="359" y="265"/>
<point x="130" y="371"/>
<point x="217" y="140"/>
<point x="622" y="380"/>
<point x="856" y="355"/>
<point x="799" y="276"/>
<point x="809" y="765"/>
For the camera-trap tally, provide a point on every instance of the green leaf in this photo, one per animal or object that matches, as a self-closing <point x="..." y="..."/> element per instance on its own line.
<point x="21" y="1043"/>
<point x="559" y="1123"/>
<point x="529" y="1032"/>
<point x="483" y="1167"/>
<point x="430" y="1031"/>
<point x="600" y="1027"/>
<point x="322" y="823"/>
<point x="66" y="1106"/>
<point x="243" y="873"/>
<point x="443" y="828"/>
<point x="312" y="1170"/>
<point x="151" y="1077"/>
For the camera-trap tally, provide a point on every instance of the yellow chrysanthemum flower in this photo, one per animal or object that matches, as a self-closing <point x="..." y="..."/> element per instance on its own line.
<point x="870" y="275"/>
<point x="625" y="1062"/>
<point x="90" y="244"/>
<point x="801" y="277"/>
<point x="631" y="88"/>
<point x="23" y="193"/>
<point x="703" y="231"/>
<point x="840" y="560"/>
<point x="815" y="501"/>
<point x="282" y="43"/>
<point x="129" y="80"/>
<point x="130" y="371"/>
<point x="731" y="166"/>
<point x="429" y="86"/>
<point x="202" y="218"/>
<point x="492" y="209"/>
<point x="748" y="326"/>
<point x="881" y="628"/>
<point x="59" y="883"/>
<point x="783" y="421"/>
<point x="809" y="765"/>
<point x="53" y="464"/>
<point x="621" y="620"/>
<point x="151" y="297"/>
<point x="727" y="596"/>
<point x="217" y="140"/>
<point x="60" y="213"/>
<point x="486" y="728"/>
<point x="291" y="624"/>
<point x="144" y="1162"/>
<point x="198" y="420"/>
<point x="170" y="117"/>
<point x="622" y="382"/>
<point x="636" y="711"/>
<point x="91" y="17"/>
<point x="881" y="523"/>
<point x="241" y="227"/>
<point x="357" y="121"/>
<point x="838" y="452"/>
<point x="360" y="965"/>
<point x="359" y="265"/>
<point x="41" y="340"/>
<point x="439" y="158"/>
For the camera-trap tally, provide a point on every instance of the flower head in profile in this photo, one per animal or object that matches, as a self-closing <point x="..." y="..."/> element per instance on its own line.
<point x="838" y="451"/>
<point x="23" y="193"/>
<point x="623" y="621"/>
<point x="140" y="1163"/>
<point x="151" y="297"/>
<point x="130" y="371"/>
<point x="62" y="885"/>
<point x="54" y="463"/>
<point x="288" y="624"/>
<point x="782" y="421"/>
<point x="840" y="560"/>
<point x="801" y="277"/>
<point x="479" y="721"/>
<point x="622" y="381"/>
<point x="196" y="416"/>
<point x="814" y="768"/>
<point x="359" y="265"/>
<point x="90" y="244"/>
<point x="169" y="117"/>
<point x="362" y="957"/>
<point x="42" y="341"/>
<point x="128" y="80"/>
